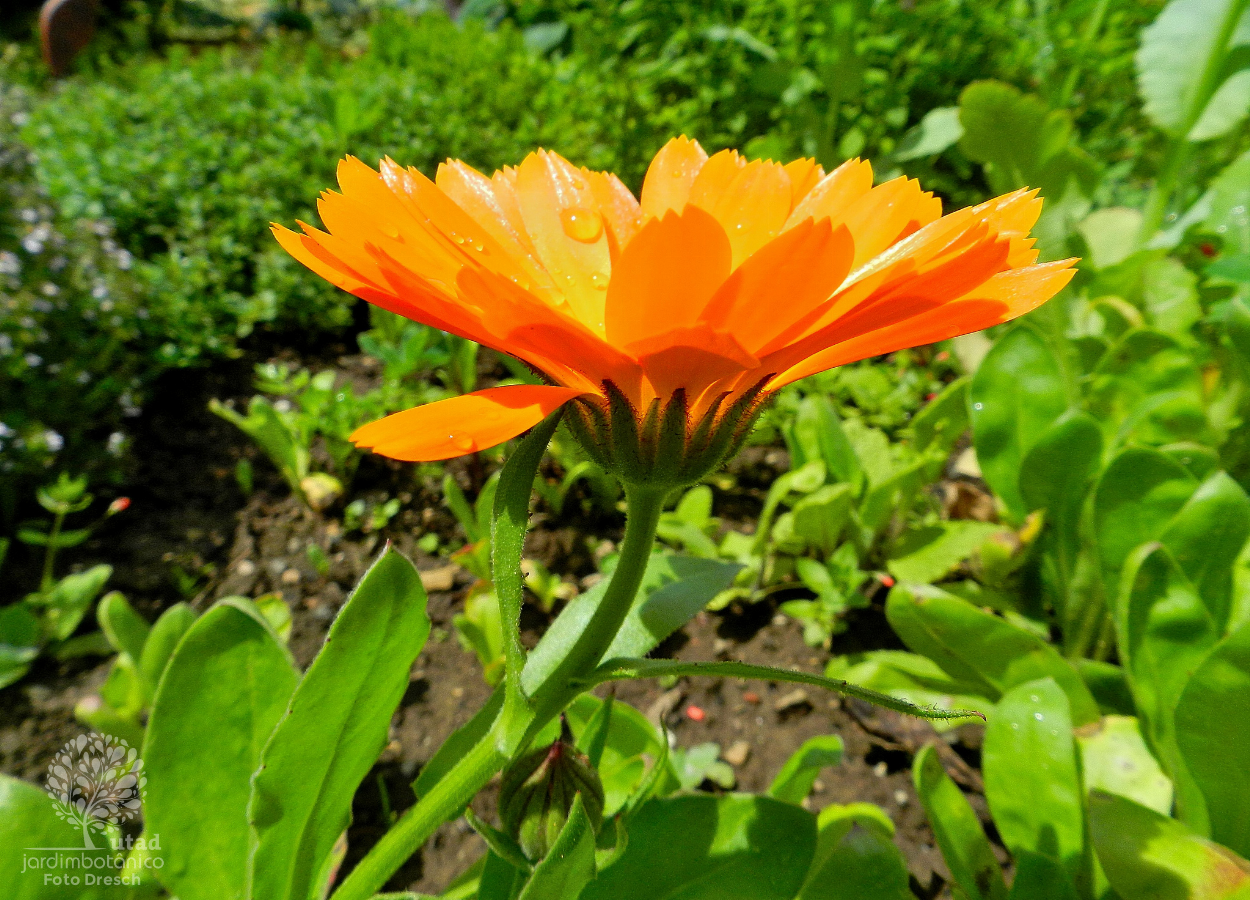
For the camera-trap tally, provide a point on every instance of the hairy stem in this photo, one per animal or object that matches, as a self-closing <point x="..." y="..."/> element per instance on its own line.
<point x="476" y="767"/>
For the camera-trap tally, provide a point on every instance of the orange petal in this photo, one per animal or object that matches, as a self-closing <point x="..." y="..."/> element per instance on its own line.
<point x="886" y="214"/>
<point x="621" y="213"/>
<point x="750" y="200"/>
<point x="666" y="275"/>
<point x="834" y="193"/>
<point x="804" y="174"/>
<point x="1001" y="299"/>
<point x="694" y="359"/>
<point x="563" y="220"/>
<point x="782" y="282"/>
<point x="462" y="424"/>
<point x="670" y="175"/>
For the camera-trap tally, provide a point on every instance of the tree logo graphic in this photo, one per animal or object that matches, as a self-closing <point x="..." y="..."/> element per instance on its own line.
<point x="96" y="780"/>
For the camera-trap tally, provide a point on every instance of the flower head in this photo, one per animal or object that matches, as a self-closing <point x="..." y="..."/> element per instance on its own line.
<point x="723" y="282"/>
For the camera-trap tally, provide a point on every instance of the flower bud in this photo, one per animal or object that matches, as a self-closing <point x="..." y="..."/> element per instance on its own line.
<point x="121" y="504"/>
<point x="538" y="791"/>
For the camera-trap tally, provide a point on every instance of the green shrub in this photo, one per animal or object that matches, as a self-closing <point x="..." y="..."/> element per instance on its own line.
<point x="193" y="157"/>
<point x="68" y="316"/>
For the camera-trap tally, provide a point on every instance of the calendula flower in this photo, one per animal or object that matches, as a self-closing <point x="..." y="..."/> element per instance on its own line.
<point x="663" y="321"/>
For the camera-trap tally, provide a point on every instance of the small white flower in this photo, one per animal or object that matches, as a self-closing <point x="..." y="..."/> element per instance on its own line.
<point x="48" y="289"/>
<point x="53" y="440"/>
<point x="33" y="360"/>
<point x="124" y="259"/>
<point x="6" y="431"/>
<point x="116" y="442"/>
<point x="9" y="263"/>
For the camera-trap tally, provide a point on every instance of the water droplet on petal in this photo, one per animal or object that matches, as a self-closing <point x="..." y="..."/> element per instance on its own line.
<point x="464" y="443"/>
<point x="599" y="281"/>
<point x="581" y="224"/>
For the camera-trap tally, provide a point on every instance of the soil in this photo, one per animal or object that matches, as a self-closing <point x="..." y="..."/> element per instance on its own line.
<point x="191" y="534"/>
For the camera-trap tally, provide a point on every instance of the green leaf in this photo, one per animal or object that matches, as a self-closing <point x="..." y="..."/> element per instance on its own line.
<point x="629" y="741"/>
<point x="1175" y="50"/>
<point x="19" y="641"/>
<point x="166" y="632"/>
<point x="924" y="555"/>
<point x="1055" y="475"/>
<point x="938" y="130"/>
<point x="1116" y="760"/>
<point x="1164" y="631"/>
<point x="1109" y="685"/>
<point x="964" y="846"/>
<point x="1111" y="235"/>
<point x="734" y="847"/>
<point x="816" y="434"/>
<point x="1032" y="776"/>
<point x="622" y="669"/>
<point x="507" y="530"/>
<point x="1212" y="723"/>
<point x="978" y="649"/>
<point x="222" y="694"/>
<point x="1206" y="536"/>
<point x="503" y="845"/>
<point x="942" y="421"/>
<point x="1148" y="856"/>
<point x="570" y="865"/>
<point x="794" y="782"/>
<point x="125" y="629"/>
<point x="333" y="730"/>
<point x="1039" y="877"/>
<point x="28" y="822"/>
<point x="909" y="676"/>
<point x="855" y="857"/>
<point x="1137" y="496"/>
<point x="820" y="517"/>
<point x="70" y="598"/>
<point x="1015" y="395"/>
<point x="1148" y="389"/>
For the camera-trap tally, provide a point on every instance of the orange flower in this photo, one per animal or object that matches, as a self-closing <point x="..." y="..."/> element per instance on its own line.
<point x="728" y="280"/>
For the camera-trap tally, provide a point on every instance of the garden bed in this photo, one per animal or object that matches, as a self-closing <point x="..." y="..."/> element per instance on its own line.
<point x="188" y="514"/>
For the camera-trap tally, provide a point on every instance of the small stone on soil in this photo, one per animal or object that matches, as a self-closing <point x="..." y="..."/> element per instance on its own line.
<point x="900" y="797"/>
<point x="290" y="576"/>
<point x="440" y="579"/>
<point x="665" y="704"/>
<point x="797" y="697"/>
<point x="737" y="754"/>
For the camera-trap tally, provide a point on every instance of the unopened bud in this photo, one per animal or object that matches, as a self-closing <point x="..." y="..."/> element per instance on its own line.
<point x="121" y="504"/>
<point x="538" y="791"/>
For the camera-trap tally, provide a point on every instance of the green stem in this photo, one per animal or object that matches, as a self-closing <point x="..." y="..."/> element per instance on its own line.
<point x="1092" y="26"/>
<point x="1088" y="625"/>
<point x="645" y="506"/>
<point x="49" y="556"/>
<point x="476" y="767"/>
<point x="449" y="795"/>
<point x="1212" y="71"/>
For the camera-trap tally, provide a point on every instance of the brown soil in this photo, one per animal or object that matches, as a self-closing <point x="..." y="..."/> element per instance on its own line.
<point x="188" y="513"/>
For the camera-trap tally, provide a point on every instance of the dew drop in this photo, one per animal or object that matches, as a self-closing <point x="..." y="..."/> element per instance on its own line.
<point x="978" y="406"/>
<point x="581" y="224"/>
<point x="458" y="238"/>
<point x="1015" y="725"/>
<point x="465" y="443"/>
<point x="1038" y="716"/>
<point x="599" y="281"/>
